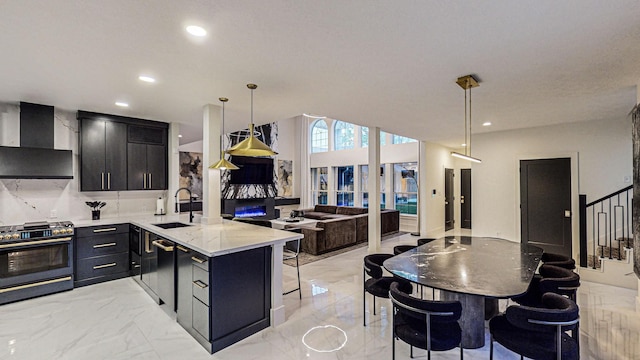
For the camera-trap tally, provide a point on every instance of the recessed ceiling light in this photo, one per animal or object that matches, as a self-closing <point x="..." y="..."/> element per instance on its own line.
<point x="196" y="30"/>
<point x="146" y="78"/>
<point x="463" y="145"/>
<point x="488" y="123"/>
<point x="122" y="104"/>
<point x="179" y="135"/>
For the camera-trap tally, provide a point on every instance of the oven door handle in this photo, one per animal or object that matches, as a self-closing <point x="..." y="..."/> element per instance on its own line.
<point x="35" y="242"/>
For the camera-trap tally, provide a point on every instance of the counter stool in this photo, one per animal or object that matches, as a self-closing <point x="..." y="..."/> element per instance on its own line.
<point x="292" y="251"/>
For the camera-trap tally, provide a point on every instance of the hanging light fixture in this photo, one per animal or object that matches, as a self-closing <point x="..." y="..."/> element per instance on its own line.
<point x="467" y="82"/>
<point x="223" y="164"/>
<point x="251" y="146"/>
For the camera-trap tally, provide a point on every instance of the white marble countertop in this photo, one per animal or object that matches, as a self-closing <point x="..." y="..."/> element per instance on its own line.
<point x="210" y="240"/>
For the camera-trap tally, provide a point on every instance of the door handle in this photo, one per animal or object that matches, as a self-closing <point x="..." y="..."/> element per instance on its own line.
<point x="567" y="213"/>
<point x="144" y="180"/>
<point x="150" y="186"/>
<point x="109" y="181"/>
<point x="102" y="181"/>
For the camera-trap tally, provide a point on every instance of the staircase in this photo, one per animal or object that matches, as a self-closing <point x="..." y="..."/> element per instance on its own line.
<point x="606" y="239"/>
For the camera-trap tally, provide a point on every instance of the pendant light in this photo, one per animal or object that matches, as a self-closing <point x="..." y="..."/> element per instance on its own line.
<point x="223" y="164"/>
<point x="251" y="146"/>
<point x="467" y="82"/>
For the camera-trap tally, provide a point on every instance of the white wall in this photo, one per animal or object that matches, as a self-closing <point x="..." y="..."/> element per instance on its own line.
<point x="23" y="200"/>
<point x="603" y="150"/>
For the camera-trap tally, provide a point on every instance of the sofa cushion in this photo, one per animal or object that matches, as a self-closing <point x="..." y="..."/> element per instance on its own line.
<point x="331" y="209"/>
<point x="350" y="210"/>
<point x="316" y="215"/>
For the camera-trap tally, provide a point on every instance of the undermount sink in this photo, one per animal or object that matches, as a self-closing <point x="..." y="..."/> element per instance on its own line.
<point x="171" y="225"/>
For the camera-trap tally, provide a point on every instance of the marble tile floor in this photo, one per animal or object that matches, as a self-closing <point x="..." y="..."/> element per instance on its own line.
<point x="117" y="320"/>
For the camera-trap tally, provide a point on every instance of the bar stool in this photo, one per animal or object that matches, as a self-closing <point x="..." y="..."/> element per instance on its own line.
<point x="292" y="251"/>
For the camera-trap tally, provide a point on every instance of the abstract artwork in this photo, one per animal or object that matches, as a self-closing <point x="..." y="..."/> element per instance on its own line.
<point x="285" y="178"/>
<point x="191" y="174"/>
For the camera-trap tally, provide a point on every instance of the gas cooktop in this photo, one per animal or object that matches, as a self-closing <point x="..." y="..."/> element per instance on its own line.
<point x="36" y="230"/>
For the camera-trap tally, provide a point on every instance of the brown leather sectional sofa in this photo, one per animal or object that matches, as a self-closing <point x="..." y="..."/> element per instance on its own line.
<point x="341" y="226"/>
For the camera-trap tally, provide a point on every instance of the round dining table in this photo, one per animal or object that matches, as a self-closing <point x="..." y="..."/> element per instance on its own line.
<point x="469" y="269"/>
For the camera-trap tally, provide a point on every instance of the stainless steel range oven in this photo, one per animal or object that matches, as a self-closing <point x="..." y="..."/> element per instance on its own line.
<point x="35" y="259"/>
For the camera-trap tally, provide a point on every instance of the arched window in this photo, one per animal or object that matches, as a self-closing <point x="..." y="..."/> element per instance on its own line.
<point x="343" y="135"/>
<point x="397" y="139"/>
<point x="364" y="137"/>
<point x="319" y="137"/>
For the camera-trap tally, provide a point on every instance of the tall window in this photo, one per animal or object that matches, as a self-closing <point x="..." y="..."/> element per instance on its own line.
<point x="343" y="135"/>
<point x="319" y="186"/>
<point x="319" y="137"/>
<point x="397" y="139"/>
<point x="364" y="186"/>
<point x="344" y="185"/>
<point x="405" y="187"/>
<point x="364" y="137"/>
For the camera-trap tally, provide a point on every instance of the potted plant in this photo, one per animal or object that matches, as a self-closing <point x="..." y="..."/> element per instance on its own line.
<point x="95" y="208"/>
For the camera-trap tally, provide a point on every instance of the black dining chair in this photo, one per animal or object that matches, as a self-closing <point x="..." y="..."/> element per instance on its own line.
<point x="378" y="285"/>
<point x="550" y="279"/>
<point x="423" y="241"/>
<point x="399" y="249"/>
<point x="425" y="324"/>
<point x="558" y="260"/>
<point x="538" y="333"/>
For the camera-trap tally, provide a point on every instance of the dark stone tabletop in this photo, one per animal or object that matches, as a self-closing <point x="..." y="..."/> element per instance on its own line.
<point x="489" y="267"/>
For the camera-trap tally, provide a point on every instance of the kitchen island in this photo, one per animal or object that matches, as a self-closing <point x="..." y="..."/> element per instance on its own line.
<point x="224" y="281"/>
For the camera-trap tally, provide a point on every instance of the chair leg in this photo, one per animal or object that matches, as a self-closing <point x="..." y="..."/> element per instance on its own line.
<point x="393" y="345"/>
<point x="490" y="347"/>
<point x="364" y="295"/>
<point x="411" y="351"/>
<point x="298" y="269"/>
<point x="461" y="353"/>
<point x="374" y="305"/>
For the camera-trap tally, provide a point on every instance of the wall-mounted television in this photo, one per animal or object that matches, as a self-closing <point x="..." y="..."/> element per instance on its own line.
<point x="253" y="170"/>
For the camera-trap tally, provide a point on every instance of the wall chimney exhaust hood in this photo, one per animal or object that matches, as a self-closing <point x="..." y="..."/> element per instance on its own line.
<point x="35" y="158"/>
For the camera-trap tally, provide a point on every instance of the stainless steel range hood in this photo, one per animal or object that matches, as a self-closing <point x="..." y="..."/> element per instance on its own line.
<point x="35" y="158"/>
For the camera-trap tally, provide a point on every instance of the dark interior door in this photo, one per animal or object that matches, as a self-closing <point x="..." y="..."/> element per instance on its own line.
<point x="448" y="199"/>
<point x="545" y="204"/>
<point x="465" y="198"/>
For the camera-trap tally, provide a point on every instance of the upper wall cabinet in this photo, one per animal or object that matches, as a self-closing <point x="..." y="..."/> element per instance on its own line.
<point x="120" y="153"/>
<point x="103" y="155"/>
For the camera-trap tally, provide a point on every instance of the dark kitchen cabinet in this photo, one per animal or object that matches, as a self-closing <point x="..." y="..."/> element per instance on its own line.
<point x="121" y="153"/>
<point x="147" y="166"/>
<point x="149" y="269"/>
<point x="101" y="254"/>
<point x="103" y="155"/>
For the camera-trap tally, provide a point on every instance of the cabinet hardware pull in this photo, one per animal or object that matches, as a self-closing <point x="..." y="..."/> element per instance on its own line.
<point x="147" y="244"/>
<point x="104" y="245"/>
<point x="198" y="260"/>
<point x="102" y="181"/>
<point x="161" y="245"/>
<point x="109" y="181"/>
<point x="26" y="286"/>
<point x="182" y="248"/>
<point x="104" y="230"/>
<point x="144" y="180"/>
<point x="150" y="186"/>
<point x="36" y="242"/>
<point x="200" y="284"/>
<point x="104" y="266"/>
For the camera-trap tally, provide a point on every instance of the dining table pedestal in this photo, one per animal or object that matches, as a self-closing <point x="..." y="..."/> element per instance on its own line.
<point x="472" y="319"/>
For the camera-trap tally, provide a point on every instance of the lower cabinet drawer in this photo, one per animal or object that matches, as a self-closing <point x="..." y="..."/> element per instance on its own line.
<point x="101" y="245"/>
<point x="102" y="265"/>
<point x="201" y="285"/>
<point x="201" y="318"/>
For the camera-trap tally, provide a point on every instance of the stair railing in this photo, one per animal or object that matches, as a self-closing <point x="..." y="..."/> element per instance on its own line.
<point x="604" y="221"/>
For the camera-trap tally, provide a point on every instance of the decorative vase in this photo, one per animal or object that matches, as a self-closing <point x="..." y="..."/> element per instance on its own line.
<point x="95" y="214"/>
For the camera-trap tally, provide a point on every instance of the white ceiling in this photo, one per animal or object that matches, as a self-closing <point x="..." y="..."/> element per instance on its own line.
<point x="391" y="64"/>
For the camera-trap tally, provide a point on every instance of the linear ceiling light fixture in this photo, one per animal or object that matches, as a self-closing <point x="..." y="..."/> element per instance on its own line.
<point x="223" y="164"/>
<point x="467" y="82"/>
<point x="314" y="116"/>
<point x="251" y="146"/>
